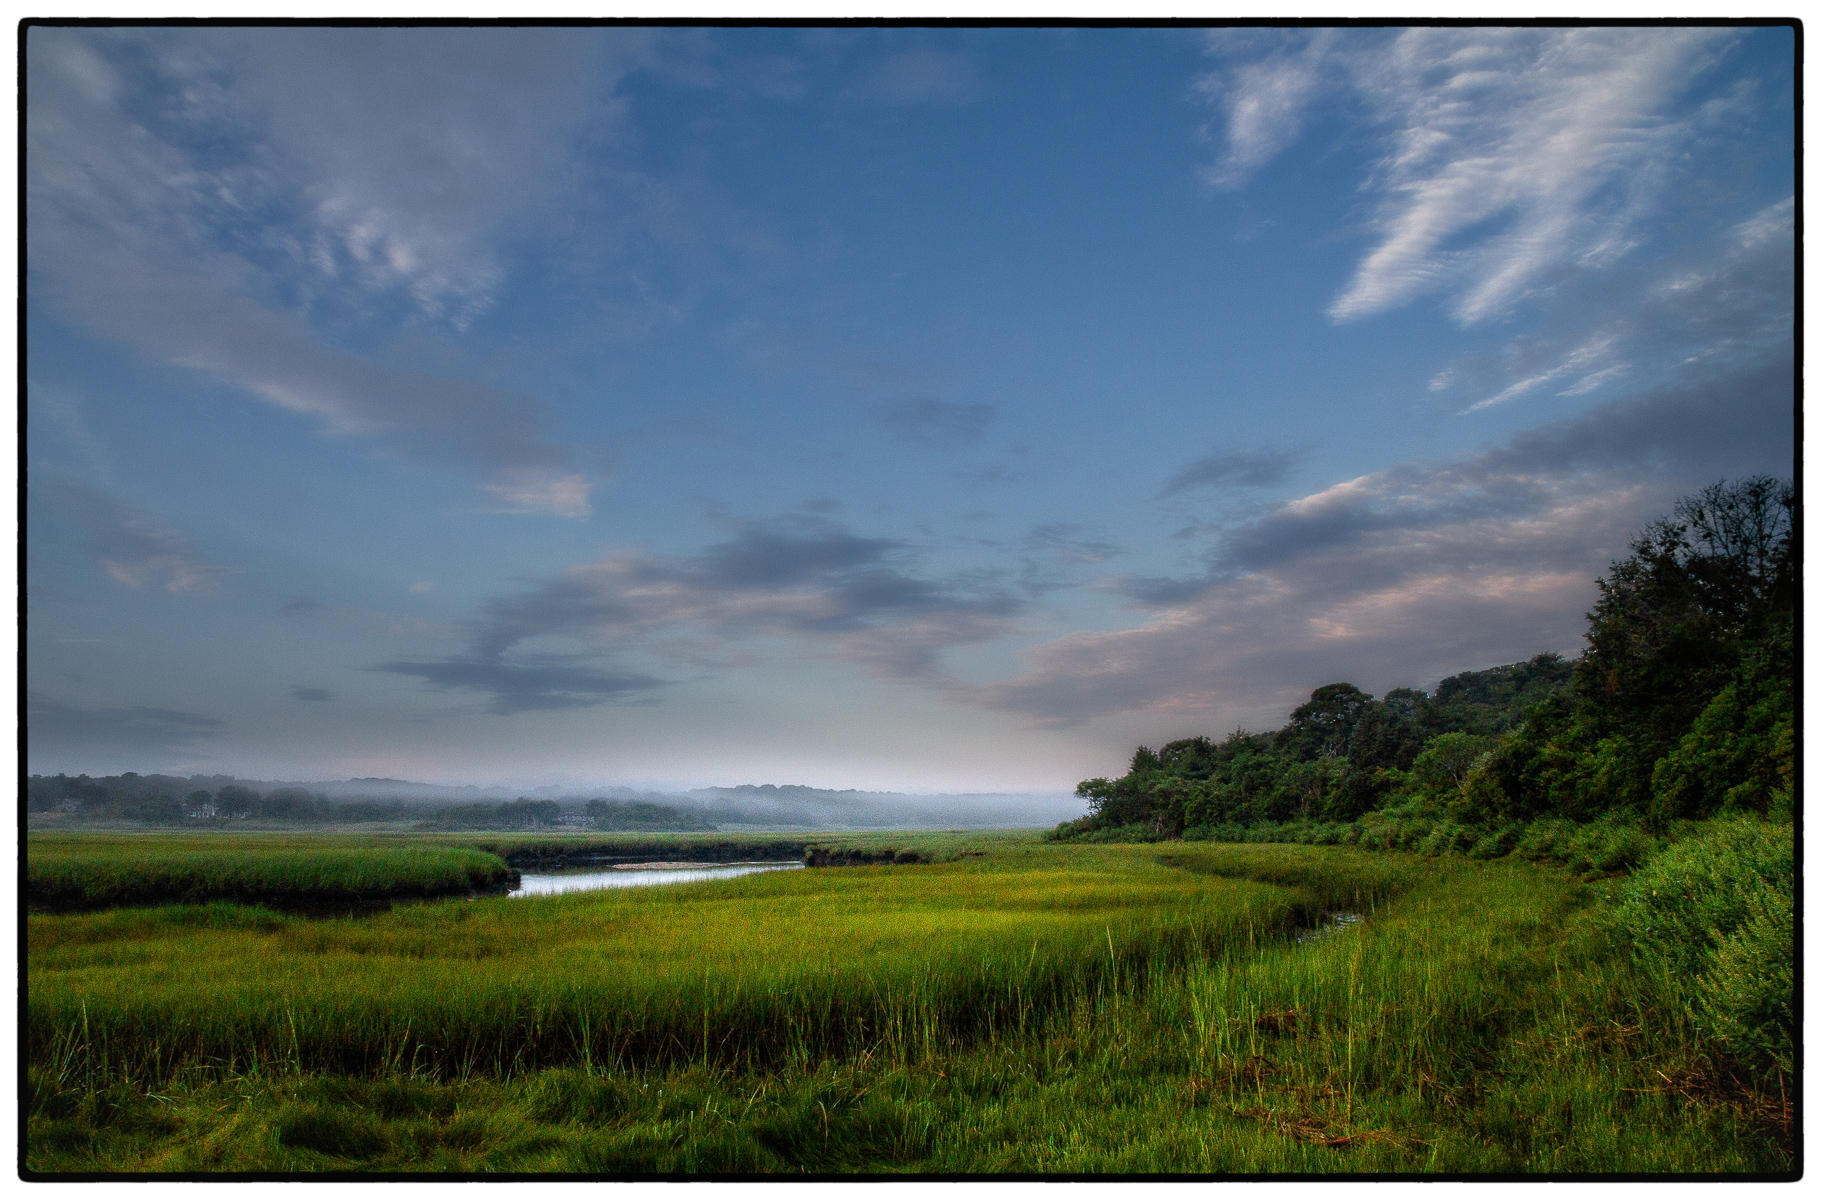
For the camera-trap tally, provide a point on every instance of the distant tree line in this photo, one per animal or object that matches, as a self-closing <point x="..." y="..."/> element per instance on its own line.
<point x="1682" y="706"/>
<point x="216" y="801"/>
<point x="619" y="816"/>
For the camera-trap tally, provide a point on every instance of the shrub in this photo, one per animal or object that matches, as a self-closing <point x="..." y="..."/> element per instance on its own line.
<point x="1718" y="910"/>
<point x="1496" y="843"/>
<point x="1747" y="993"/>
<point x="1545" y="839"/>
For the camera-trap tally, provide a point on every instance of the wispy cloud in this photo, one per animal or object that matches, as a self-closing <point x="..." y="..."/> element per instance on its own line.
<point x="240" y="204"/>
<point x="1734" y="295"/>
<point x="1588" y="362"/>
<point x="1515" y="154"/>
<point x="1509" y="155"/>
<point x="408" y="153"/>
<point x="1232" y="468"/>
<point x="134" y="547"/>
<point x="1264" y="101"/>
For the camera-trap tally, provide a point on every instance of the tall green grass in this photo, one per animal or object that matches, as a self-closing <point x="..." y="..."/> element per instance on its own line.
<point x="747" y="972"/>
<point x="1031" y="1008"/>
<point x="71" y="872"/>
<point x="1483" y="1021"/>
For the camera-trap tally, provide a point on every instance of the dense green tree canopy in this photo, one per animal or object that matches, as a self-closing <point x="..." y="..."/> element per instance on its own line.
<point x="1683" y="705"/>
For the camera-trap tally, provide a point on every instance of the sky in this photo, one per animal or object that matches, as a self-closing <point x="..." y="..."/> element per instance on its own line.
<point x="928" y="409"/>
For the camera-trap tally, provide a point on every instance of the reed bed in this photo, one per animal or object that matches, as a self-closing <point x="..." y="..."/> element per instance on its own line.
<point x="1032" y="1009"/>
<point x="77" y="872"/>
<point x="1488" y="1020"/>
<point x="746" y="973"/>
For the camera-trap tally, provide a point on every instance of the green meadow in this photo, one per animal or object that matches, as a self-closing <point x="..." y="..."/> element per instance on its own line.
<point x="1010" y="1005"/>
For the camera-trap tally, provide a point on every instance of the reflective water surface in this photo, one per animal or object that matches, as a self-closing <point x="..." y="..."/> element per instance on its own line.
<point x="639" y="875"/>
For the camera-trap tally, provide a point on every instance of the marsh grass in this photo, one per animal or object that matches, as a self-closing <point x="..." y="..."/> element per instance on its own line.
<point x="75" y="872"/>
<point x="749" y="972"/>
<point x="1032" y="1008"/>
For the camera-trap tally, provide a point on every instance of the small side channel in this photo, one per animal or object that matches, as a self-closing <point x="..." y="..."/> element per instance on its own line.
<point x="1332" y="922"/>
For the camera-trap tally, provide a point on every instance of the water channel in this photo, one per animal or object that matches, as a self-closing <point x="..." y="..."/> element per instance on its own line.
<point x="638" y="875"/>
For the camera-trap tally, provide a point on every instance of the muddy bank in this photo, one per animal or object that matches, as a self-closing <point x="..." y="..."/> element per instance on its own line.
<point x="316" y="902"/>
<point x="848" y="856"/>
<point x="607" y="852"/>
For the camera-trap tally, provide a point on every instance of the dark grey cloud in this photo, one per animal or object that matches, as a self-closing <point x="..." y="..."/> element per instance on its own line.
<point x="938" y="424"/>
<point x="1709" y="425"/>
<point x="866" y="597"/>
<point x="535" y="683"/>
<point x="848" y="596"/>
<point x="1405" y="575"/>
<point x="762" y="555"/>
<point x="66" y="736"/>
<point x="314" y="695"/>
<point x="134" y="547"/>
<point x="1234" y="468"/>
<point x="1161" y="591"/>
<point x="797" y="575"/>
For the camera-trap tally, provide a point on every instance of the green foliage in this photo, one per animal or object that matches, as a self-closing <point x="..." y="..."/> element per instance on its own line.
<point x="1682" y="707"/>
<point x="1439" y="774"/>
<point x="1324" y="726"/>
<point x="1674" y="618"/>
<point x="1747" y="994"/>
<point x="1740" y="752"/>
<point x="1718" y="909"/>
<point x="1496" y="699"/>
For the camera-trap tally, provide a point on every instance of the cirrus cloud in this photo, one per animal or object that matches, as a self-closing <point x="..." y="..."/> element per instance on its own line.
<point x="1507" y="156"/>
<point x="254" y="206"/>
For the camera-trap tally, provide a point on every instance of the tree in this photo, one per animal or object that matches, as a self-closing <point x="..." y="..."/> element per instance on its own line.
<point x="1114" y="801"/>
<point x="288" y="804"/>
<point x="1441" y="770"/>
<point x="1740" y="548"/>
<point x="155" y="810"/>
<point x="1323" y="727"/>
<point x="1672" y="618"/>
<point x="1385" y="737"/>
<point x="235" y="801"/>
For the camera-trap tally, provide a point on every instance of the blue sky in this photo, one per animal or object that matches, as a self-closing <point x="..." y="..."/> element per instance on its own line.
<point x="930" y="409"/>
